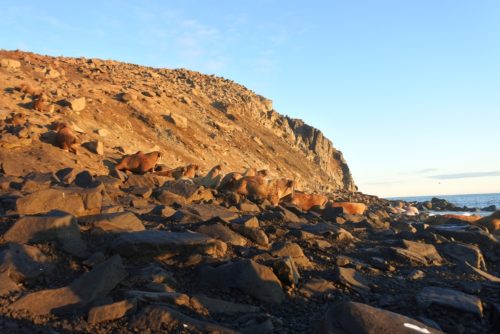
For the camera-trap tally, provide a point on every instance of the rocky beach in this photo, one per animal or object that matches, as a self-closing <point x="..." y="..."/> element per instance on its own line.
<point x="144" y="200"/>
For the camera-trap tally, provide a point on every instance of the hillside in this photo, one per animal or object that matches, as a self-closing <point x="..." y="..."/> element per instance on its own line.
<point x="188" y="116"/>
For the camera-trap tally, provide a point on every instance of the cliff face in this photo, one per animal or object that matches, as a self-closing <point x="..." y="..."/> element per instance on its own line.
<point x="191" y="117"/>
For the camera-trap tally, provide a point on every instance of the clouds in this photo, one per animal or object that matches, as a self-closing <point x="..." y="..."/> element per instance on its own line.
<point x="465" y="175"/>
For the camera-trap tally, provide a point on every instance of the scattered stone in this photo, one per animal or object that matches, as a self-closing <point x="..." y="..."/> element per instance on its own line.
<point x="112" y="223"/>
<point x="179" y="121"/>
<point x="317" y="287"/>
<point x="357" y="318"/>
<point x="23" y="262"/>
<point x="222" y="232"/>
<point x="95" y="146"/>
<point x="466" y="253"/>
<point x="353" y="279"/>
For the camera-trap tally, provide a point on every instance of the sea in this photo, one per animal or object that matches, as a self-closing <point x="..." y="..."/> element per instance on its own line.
<point x="469" y="200"/>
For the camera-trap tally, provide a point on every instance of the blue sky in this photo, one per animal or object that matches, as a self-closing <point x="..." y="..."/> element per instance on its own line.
<point x="409" y="90"/>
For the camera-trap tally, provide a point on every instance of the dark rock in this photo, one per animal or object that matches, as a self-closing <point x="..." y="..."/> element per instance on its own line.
<point x="286" y="271"/>
<point x="295" y="252"/>
<point x="317" y="287"/>
<point x="85" y="180"/>
<point x="220" y="306"/>
<point x="354" y="280"/>
<point x="93" y="285"/>
<point x="356" y="318"/>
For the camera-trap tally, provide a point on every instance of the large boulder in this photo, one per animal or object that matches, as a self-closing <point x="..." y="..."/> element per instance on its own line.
<point x="356" y="318"/>
<point x="91" y="286"/>
<point x="76" y="201"/>
<point x="54" y="226"/>
<point x="254" y="279"/>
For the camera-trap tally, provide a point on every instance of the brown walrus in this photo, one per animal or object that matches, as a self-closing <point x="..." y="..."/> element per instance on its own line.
<point x="41" y="103"/>
<point x="212" y="179"/>
<point x="229" y="180"/>
<point x="139" y="162"/>
<point x="306" y="201"/>
<point x="65" y="138"/>
<point x="188" y="171"/>
<point x="260" y="188"/>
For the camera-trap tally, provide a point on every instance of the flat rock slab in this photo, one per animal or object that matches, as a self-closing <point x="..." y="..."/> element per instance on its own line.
<point x="450" y="298"/>
<point x="23" y="262"/>
<point x="155" y="243"/>
<point x="357" y="318"/>
<point x="92" y="285"/>
<point x="317" y="287"/>
<point x="209" y="211"/>
<point x="76" y="201"/>
<point x="111" y="311"/>
<point x="54" y="226"/>
<point x="112" y="222"/>
<point x="254" y="279"/>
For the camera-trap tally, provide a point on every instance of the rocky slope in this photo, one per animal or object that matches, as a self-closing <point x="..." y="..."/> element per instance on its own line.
<point x="190" y="117"/>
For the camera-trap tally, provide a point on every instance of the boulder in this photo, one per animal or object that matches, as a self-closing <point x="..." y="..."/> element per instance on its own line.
<point x="54" y="226"/>
<point x="450" y="298"/>
<point x="91" y="286"/>
<point x="354" y="280"/>
<point x="316" y="287"/>
<point x="161" y="243"/>
<point x="76" y="201"/>
<point x="254" y="279"/>
<point x="95" y="146"/>
<point x="356" y="318"/>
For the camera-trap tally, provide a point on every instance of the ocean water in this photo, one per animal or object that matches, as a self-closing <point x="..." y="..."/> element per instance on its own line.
<point x="470" y="200"/>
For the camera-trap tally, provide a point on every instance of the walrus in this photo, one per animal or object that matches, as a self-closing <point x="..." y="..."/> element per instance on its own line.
<point x="260" y="188"/>
<point x="188" y="171"/>
<point x="27" y="89"/>
<point x="139" y="162"/>
<point x="41" y="103"/>
<point x="212" y="179"/>
<point x="65" y="138"/>
<point x="306" y="201"/>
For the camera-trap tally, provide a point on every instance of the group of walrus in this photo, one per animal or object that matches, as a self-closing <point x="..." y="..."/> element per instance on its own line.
<point x="252" y="183"/>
